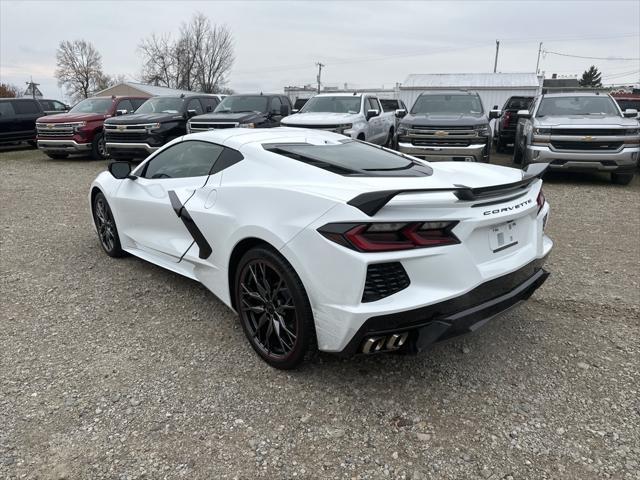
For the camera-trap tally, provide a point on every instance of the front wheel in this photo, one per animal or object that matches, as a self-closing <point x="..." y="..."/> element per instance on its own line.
<point x="274" y="309"/>
<point x="622" y="178"/>
<point x="389" y="142"/>
<point x="99" y="147"/>
<point x="517" y="155"/>
<point x="106" y="227"/>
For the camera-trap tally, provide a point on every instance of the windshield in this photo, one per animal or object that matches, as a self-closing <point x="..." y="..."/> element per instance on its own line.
<point x="244" y="103"/>
<point x="519" y="103"/>
<point x="465" y="104"/>
<point x="342" y="104"/>
<point x="579" y="105"/>
<point x="162" y="105"/>
<point x="93" y="105"/>
<point x="353" y="158"/>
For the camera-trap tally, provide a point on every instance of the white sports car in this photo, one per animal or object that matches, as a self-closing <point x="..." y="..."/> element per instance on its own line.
<point x="323" y="242"/>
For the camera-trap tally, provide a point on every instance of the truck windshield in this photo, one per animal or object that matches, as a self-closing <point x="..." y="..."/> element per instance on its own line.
<point x="460" y="104"/>
<point x="243" y="103"/>
<point x="93" y="105"/>
<point x="162" y="105"/>
<point x="578" y="105"/>
<point x="341" y="104"/>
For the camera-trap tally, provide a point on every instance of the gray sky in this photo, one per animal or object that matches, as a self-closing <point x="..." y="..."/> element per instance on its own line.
<point x="362" y="43"/>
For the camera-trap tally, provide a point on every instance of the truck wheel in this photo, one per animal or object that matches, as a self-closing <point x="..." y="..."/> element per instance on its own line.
<point x="361" y="136"/>
<point x="622" y="178"/>
<point x="99" y="148"/>
<point x="517" y="155"/>
<point x="389" y="142"/>
<point x="57" y="156"/>
<point x="501" y="146"/>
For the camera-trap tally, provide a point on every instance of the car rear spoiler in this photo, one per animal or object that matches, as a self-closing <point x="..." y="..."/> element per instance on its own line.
<point x="370" y="203"/>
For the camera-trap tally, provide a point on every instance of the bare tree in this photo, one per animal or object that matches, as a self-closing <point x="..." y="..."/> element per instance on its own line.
<point x="8" y="90"/>
<point x="199" y="59"/>
<point x="79" y="68"/>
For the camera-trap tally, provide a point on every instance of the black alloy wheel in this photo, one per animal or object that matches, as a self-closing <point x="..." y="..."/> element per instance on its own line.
<point x="106" y="227"/>
<point x="99" y="147"/>
<point x="274" y="309"/>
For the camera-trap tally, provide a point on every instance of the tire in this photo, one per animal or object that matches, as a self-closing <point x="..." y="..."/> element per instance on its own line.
<point x="33" y="143"/>
<point x="389" y="141"/>
<point x="57" y="156"/>
<point x="622" y="178"/>
<point x="517" y="155"/>
<point x="106" y="227"/>
<point x="99" y="148"/>
<point x="361" y="137"/>
<point x="281" y="329"/>
<point x="501" y="146"/>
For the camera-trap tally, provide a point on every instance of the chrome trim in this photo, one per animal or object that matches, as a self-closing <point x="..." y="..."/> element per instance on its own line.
<point x="63" y="145"/>
<point x="144" y="146"/>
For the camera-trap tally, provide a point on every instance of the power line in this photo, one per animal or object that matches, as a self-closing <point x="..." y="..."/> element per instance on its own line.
<point x="589" y="58"/>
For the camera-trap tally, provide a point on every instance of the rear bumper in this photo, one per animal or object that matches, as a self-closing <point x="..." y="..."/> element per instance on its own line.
<point x="457" y="316"/>
<point x="477" y="152"/>
<point x="624" y="159"/>
<point x="69" y="146"/>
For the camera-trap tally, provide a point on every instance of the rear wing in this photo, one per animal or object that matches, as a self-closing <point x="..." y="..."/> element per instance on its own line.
<point x="370" y="203"/>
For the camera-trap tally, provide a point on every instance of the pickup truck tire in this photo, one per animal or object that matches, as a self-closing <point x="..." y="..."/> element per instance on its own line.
<point x="57" y="156"/>
<point x="517" y="155"/>
<point x="361" y="137"/>
<point x="501" y="145"/>
<point x="389" y="141"/>
<point x="99" y="148"/>
<point x="622" y="178"/>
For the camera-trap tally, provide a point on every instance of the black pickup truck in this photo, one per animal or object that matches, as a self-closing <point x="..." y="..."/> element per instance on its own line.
<point x="505" y="130"/>
<point x="18" y="117"/>
<point x="156" y="122"/>
<point x="249" y="111"/>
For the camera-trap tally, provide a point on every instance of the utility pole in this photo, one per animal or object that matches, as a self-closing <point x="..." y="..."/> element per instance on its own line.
<point x="320" y="65"/>
<point x="32" y="86"/>
<point x="495" y="64"/>
<point x="538" y="62"/>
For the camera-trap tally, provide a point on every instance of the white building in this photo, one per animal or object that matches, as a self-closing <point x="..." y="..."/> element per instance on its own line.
<point x="134" y="89"/>
<point x="493" y="88"/>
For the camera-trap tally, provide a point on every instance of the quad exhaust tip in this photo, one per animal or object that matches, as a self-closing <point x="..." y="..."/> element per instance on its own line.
<point x="384" y="343"/>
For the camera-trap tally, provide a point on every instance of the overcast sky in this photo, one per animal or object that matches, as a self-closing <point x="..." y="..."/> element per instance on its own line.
<point x="363" y="44"/>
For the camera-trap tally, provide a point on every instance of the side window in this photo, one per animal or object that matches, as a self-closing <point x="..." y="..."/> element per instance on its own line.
<point x="25" y="106"/>
<point x="125" y="105"/>
<point x="373" y="104"/>
<point x="6" y="110"/>
<point x="210" y="103"/>
<point x="59" y="106"/>
<point x="47" y="105"/>
<point x="194" y="104"/>
<point x="186" y="159"/>
<point x="136" y="102"/>
<point x="276" y="103"/>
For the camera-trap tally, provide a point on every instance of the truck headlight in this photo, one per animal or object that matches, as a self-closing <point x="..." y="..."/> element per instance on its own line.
<point x="541" y="131"/>
<point x="153" y="126"/>
<point x="78" y="126"/>
<point x="483" y="130"/>
<point x="246" y="125"/>
<point x="403" y="129"/>
<point x="343" y="129"/>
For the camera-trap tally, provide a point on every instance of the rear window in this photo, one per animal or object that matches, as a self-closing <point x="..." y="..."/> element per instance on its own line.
<point x="519" y="103"/>
<point x="25" y="106"/>
<point x="352" y="158"/>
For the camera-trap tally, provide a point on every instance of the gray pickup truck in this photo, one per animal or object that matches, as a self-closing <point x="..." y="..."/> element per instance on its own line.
<point x="447" y="125"/>
<point x="579" y="132"/>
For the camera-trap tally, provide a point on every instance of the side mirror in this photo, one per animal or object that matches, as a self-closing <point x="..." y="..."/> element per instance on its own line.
<point x="295" y="110"/>
<point x="191" y="113"/>
<point x="120" y="170"/>
<point x="524" y="113"/>
<point x="284" y="110"/>
<point x="400" y="113"/>
<point x="495" y="107"/>
<point x="121" y="112"/>
<point x="372" y="113"/>
<point x="495" y="113"/>
<point x="630" y="113"/>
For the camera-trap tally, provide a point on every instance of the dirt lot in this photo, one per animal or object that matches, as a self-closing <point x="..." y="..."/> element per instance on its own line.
<point x="118" y="369"/>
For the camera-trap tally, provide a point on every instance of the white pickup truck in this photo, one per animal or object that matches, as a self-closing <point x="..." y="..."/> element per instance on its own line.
<point x="355" y="115"/>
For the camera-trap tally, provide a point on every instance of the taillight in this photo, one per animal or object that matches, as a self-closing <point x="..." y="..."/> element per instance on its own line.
<point x="506" y="119"/>
<point x="387" y="237"/>
<point x="540" y="200"/>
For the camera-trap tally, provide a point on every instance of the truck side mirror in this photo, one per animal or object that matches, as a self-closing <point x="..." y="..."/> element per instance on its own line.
<point x="495" y="113"/>
<point x="191" y="113"/>
<point x="295" y="110"/>
<point x="400" y="113"/>
<point x="495" y="107"/>
<point x="284" y="110"/>
<point x="372" y="113"/>
<point x="524" y="113"/>
<point x="121" y="112"/>
<point x="630" y="113"/>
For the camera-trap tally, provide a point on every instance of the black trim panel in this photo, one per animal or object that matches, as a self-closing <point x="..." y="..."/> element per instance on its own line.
<point x="183" y="214"/>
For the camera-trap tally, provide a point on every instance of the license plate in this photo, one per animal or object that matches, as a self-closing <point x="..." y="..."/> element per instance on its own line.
<point x="503" y="236"/>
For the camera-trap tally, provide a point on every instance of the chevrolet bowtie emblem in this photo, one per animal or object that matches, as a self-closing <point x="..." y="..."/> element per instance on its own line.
<point x="588" y="138"/>
<point x="441" y="133"/>
<point x="49" y="125"/>
<point x="121" y="127"/>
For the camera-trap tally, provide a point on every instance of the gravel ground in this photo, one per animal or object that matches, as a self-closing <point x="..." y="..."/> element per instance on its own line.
<point x="118" y="369"/>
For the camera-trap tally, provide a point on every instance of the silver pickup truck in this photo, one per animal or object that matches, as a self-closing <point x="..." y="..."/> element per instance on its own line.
<point x="579" y="132"/>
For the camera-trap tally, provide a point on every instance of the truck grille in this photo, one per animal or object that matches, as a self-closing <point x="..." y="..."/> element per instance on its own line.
<point x="440" y="142"/>
<point x="384" y="279"/>
<point x="591" y="146"/>
<point x="116" y="136"/>
<point x="201" y="127"/>
<point x="55" y="129"/>
<point x="431" y="131"/>
<point x="581" y="132"/>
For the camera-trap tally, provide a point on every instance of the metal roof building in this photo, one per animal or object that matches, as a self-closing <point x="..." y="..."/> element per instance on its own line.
<point x="134" y="89"/>
<point x="494" y="88"/>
